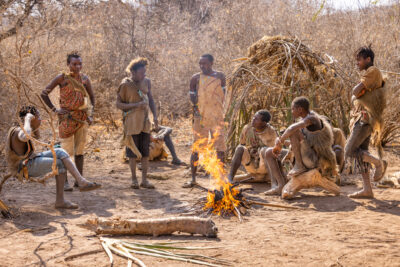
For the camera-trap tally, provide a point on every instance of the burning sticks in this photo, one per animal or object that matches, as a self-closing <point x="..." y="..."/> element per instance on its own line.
<point x="223" y="197"/>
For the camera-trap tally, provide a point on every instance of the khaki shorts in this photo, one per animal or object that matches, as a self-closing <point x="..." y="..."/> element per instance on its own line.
<point x="201" y="132"/>
<point x="250" y="165"/>
<point x="75" y="144"/>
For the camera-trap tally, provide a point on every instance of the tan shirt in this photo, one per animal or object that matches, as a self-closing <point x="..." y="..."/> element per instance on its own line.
<point x="251" y="138"/>
<point x="136" y="120"/>
<point x="371" y="78"/>
<point x="211" y="101"/>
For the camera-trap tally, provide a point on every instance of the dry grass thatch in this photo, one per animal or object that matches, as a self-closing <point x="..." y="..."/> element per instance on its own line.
<point x="276" y="70"/>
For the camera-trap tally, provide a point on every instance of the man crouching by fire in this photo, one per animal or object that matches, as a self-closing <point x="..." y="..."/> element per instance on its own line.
<point x="311" y="140"/>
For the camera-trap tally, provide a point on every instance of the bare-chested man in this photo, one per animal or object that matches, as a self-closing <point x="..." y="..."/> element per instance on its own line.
<point x="311" y="139"/>
<point x="134" y="98"/>
<point x="23" y="161"/>
<point x="207" y="95"/>
<point x="364" y="120"/>
<point x="75" y="110"/>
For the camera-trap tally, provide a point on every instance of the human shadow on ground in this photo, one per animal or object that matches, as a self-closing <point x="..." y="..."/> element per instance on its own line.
<point x="44" y="212"/>
<point x="40" y="219"/>
<point x="164" y="165"/>
<point x="384" y="206"/>
<point x="324" y="203"/>
<point x="154" y="199"/>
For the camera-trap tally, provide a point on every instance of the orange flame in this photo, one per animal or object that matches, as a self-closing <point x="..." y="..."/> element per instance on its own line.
<point x="218" y="180"/>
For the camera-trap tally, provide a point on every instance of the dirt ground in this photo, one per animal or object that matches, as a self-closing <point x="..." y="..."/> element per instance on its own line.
<point x="330" y="231"/>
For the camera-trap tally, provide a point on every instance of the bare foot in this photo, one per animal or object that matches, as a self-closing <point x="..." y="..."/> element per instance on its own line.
<point x="135" y="184"/>
<point x="147" y="185"/>
<point x="274" y="191"/>
<point x="177" y="162"/>
<point x="66" y="205"/>
<point x="362" y="194"/>
<point x="87" y="184"/>
<point x="189" y="184"/>
<point x="380" y="171"/>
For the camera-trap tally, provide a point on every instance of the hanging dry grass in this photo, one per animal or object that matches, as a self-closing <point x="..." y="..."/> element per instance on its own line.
<point x="276" y="70"/>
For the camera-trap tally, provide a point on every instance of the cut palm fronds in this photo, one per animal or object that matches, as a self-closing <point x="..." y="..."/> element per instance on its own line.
<point x="126" y="249"/>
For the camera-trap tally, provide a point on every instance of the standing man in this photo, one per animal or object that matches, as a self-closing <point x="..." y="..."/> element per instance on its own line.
<point x="369" y="103"/>
<point x="75" y="110"/>
<point x="207" y="95"/>
<point x="134" y="98"/>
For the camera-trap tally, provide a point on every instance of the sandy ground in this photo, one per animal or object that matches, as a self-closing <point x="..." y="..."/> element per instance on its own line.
<point x="330" y="231"/>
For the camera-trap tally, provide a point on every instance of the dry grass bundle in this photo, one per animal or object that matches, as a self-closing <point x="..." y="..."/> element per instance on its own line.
<point x="275" y="71"/>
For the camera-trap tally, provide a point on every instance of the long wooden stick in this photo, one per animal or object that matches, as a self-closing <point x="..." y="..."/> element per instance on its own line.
<point x="272" y="205"/>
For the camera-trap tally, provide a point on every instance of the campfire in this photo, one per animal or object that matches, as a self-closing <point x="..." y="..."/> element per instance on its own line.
<point x="223" y="197"/>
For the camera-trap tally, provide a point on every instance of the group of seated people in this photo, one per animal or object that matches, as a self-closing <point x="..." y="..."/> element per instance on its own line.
<point x="313" y="142"/>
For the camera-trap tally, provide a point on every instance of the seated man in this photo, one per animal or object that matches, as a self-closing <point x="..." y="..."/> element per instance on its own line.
<point x="157" y="139"/>
<point x="23" y="161"/>
<point x="254" y="140"/>
<point x="311" y="139"/>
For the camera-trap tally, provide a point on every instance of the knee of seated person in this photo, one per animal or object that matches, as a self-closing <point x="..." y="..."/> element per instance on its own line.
<point x="263" y="151"/>
<point x="61" y="153"/>
<point x="298" y="135"/>
<point x="61" y="167"/>
<point x="240" y="148"/>
<point x="269" y="152"/>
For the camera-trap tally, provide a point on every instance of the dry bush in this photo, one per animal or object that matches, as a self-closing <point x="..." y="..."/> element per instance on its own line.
<point x="172" y="34"/>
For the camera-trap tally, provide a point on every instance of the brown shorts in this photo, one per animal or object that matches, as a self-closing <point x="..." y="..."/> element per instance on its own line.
<point x="142" y="142"/>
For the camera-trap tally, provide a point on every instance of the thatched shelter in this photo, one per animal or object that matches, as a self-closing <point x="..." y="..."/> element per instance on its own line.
<point x="276" y="70"/>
